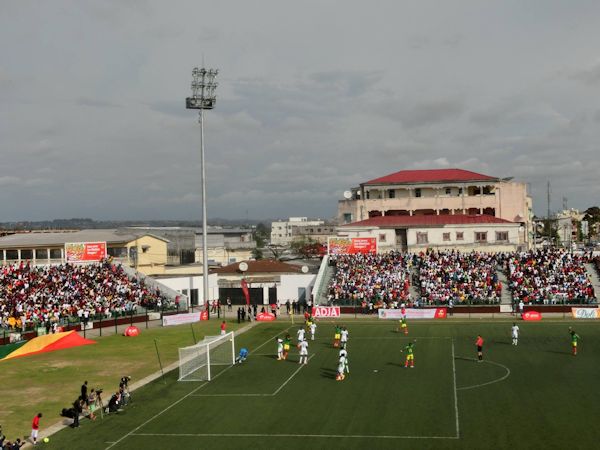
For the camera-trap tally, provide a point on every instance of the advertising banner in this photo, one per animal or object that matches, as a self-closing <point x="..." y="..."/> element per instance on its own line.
<point x="265" y="317"/>
<point x="351" y="246"/>
<point x="179" y="319"/>
<point x="85" y="251"/>
<point x="326" y="311"/>
<point x="430" y="313"/>
<point x="531" y="316"/>
<point x="585" y="313"/>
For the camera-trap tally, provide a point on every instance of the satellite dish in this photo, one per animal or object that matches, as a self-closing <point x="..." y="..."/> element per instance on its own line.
<point x="243" y="266"/>
<point x="304" y="269"/>
<point x="347" y="195"/>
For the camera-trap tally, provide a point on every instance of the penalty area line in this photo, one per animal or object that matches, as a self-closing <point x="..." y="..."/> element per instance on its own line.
<point x="189" y="394"/>
<point x="259" y="395"/>
<point x="285" y="435"/>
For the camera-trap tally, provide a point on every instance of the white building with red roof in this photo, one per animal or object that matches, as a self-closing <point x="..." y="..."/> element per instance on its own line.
<point x="445" y="208"/>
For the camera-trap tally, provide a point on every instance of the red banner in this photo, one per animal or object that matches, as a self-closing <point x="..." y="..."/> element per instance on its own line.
<point x="265" y="317"/>
<point x="351" y="246"/>
<point x="246" y="291"/>
<point x="85" y="251"/>
<point x="532" y="316"/>
<point x="326" y="311"/>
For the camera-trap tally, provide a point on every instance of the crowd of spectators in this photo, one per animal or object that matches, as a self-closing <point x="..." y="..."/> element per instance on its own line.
<point x="32" y="296"/>
<point x="374" y="279"/>
<point x="549" y="276"/>
<point x="451" y="277"/>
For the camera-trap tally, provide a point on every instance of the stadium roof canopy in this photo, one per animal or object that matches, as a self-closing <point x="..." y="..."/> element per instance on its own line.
<point x="260" y="266"/>
<point x="53" y="239"/>
<point x="431" y="176"/>
<point x="432" y="221"/>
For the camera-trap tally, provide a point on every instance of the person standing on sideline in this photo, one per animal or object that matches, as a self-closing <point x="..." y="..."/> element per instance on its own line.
<point x="479" y="344"/>
<point x="515" y="334"/>
<point x="521" y="307"/>
<point x="451" y="307"/>
<point x="84" y="388"/>
<point x="35" y="428"/>
<point x="223" y="328"/>
<point x="229" y="308"/>
<point x="574" y="339"/>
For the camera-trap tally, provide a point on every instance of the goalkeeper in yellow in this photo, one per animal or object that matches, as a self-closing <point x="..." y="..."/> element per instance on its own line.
<point x="410" y="355"/>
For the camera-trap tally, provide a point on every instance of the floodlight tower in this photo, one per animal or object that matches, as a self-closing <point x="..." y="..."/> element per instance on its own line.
<point x="203" y="97"/>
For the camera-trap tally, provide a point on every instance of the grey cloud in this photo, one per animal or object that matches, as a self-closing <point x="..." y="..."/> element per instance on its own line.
<point x="421" y="113"/>
<point x="589" y="76"/>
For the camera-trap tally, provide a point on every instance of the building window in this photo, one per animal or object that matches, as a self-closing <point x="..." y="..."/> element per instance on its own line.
<point x="502" y="236"/>
<point x="460" y="236"/>
<point x="392" y="193"/>
<point x="347" y="217"/>
<point x="460" y="191"/>
<point x="12" y="255"/>
<point x="55" y="253"/>
<point x="481" y="236"/>
<point x="27" y="254"/>
<point x="382" y="238"/>
<point x="446" y="237"/>
<point x="41" y="253"/>
<point x="418" y="192"/>
<point x="422" y="238"/>
<point x="448" y="191"/>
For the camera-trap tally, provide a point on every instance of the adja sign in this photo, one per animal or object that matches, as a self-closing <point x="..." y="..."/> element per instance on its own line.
<point x="326" y="311"/>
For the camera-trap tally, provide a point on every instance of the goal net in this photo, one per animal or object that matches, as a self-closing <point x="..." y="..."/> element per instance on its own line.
<point x="196" y="362"/>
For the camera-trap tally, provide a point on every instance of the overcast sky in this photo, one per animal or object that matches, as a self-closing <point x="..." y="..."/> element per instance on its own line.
<point x="314" y="98"/>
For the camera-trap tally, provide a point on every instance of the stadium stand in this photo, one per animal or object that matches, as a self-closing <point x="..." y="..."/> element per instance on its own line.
<point x="463" y="277"/>
<point x="372" y="278"/>
<point x="31" y="296"/>
<point x="550" y="276"/>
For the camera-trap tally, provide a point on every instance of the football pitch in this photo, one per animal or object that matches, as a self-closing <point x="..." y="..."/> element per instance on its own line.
<point x="534" y="395"/>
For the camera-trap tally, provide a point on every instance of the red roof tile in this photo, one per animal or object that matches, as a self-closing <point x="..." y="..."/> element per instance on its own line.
<point x="407" y="221"/>
<point x="430" y="176"/>
<point x="260" y="266"/>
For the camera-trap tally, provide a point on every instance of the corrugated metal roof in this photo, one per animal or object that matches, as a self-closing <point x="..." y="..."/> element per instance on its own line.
<point x="431" y="176"/>
<point x="408" y="221"/>
<point x="23" y="240"/>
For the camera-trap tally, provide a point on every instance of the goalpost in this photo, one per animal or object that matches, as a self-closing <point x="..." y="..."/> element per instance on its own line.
<point x="196" y="361"/>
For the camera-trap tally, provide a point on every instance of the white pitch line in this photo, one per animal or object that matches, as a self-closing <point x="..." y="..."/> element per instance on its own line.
<point x="258" y="395"/>
<point x="182" y="398"/>
<point x="455" y="392"/>
<point x="280" y="435"/>
<point x="497" y="380"/>
<point x="292" y="376"/>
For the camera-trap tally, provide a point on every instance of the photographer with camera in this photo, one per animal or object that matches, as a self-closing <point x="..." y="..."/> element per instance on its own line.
<point x="124" y="389"/>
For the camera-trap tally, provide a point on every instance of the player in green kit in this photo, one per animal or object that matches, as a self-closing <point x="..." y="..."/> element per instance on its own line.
<point x="574" y="339"/>
<point x="337" y="336"/>
<point x="410" y="356"/>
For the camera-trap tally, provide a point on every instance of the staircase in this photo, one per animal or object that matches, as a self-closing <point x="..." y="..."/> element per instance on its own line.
<point x="591" y="270"/>
<point x="415" y="289"/>
<point x="506" y="297"/>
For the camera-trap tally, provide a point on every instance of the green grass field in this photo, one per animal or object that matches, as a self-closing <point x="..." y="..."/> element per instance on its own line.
<point x="535" y="395"/>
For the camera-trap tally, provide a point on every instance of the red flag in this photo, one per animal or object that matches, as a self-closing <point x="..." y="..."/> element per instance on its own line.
<point x="246" y="292"/>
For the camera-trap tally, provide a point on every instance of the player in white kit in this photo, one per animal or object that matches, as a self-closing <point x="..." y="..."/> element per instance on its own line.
<point x="344" y="337"/>
<point x="300" y="334"/>
<point x="313" y="329"/>
<point x="303" y="346"/>
<point x="515" y="334"/>
<point x="279" y="349"/>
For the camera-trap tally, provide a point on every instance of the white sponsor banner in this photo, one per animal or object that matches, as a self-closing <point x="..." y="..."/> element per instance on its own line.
<point x="326" y="311"/>
<point x="410" y="313"/>
<point x="585" y="313"/>
<point x="179" y="319"/>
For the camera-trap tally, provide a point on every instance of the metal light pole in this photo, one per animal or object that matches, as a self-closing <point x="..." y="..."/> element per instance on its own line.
<point x="203" y="97"/>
